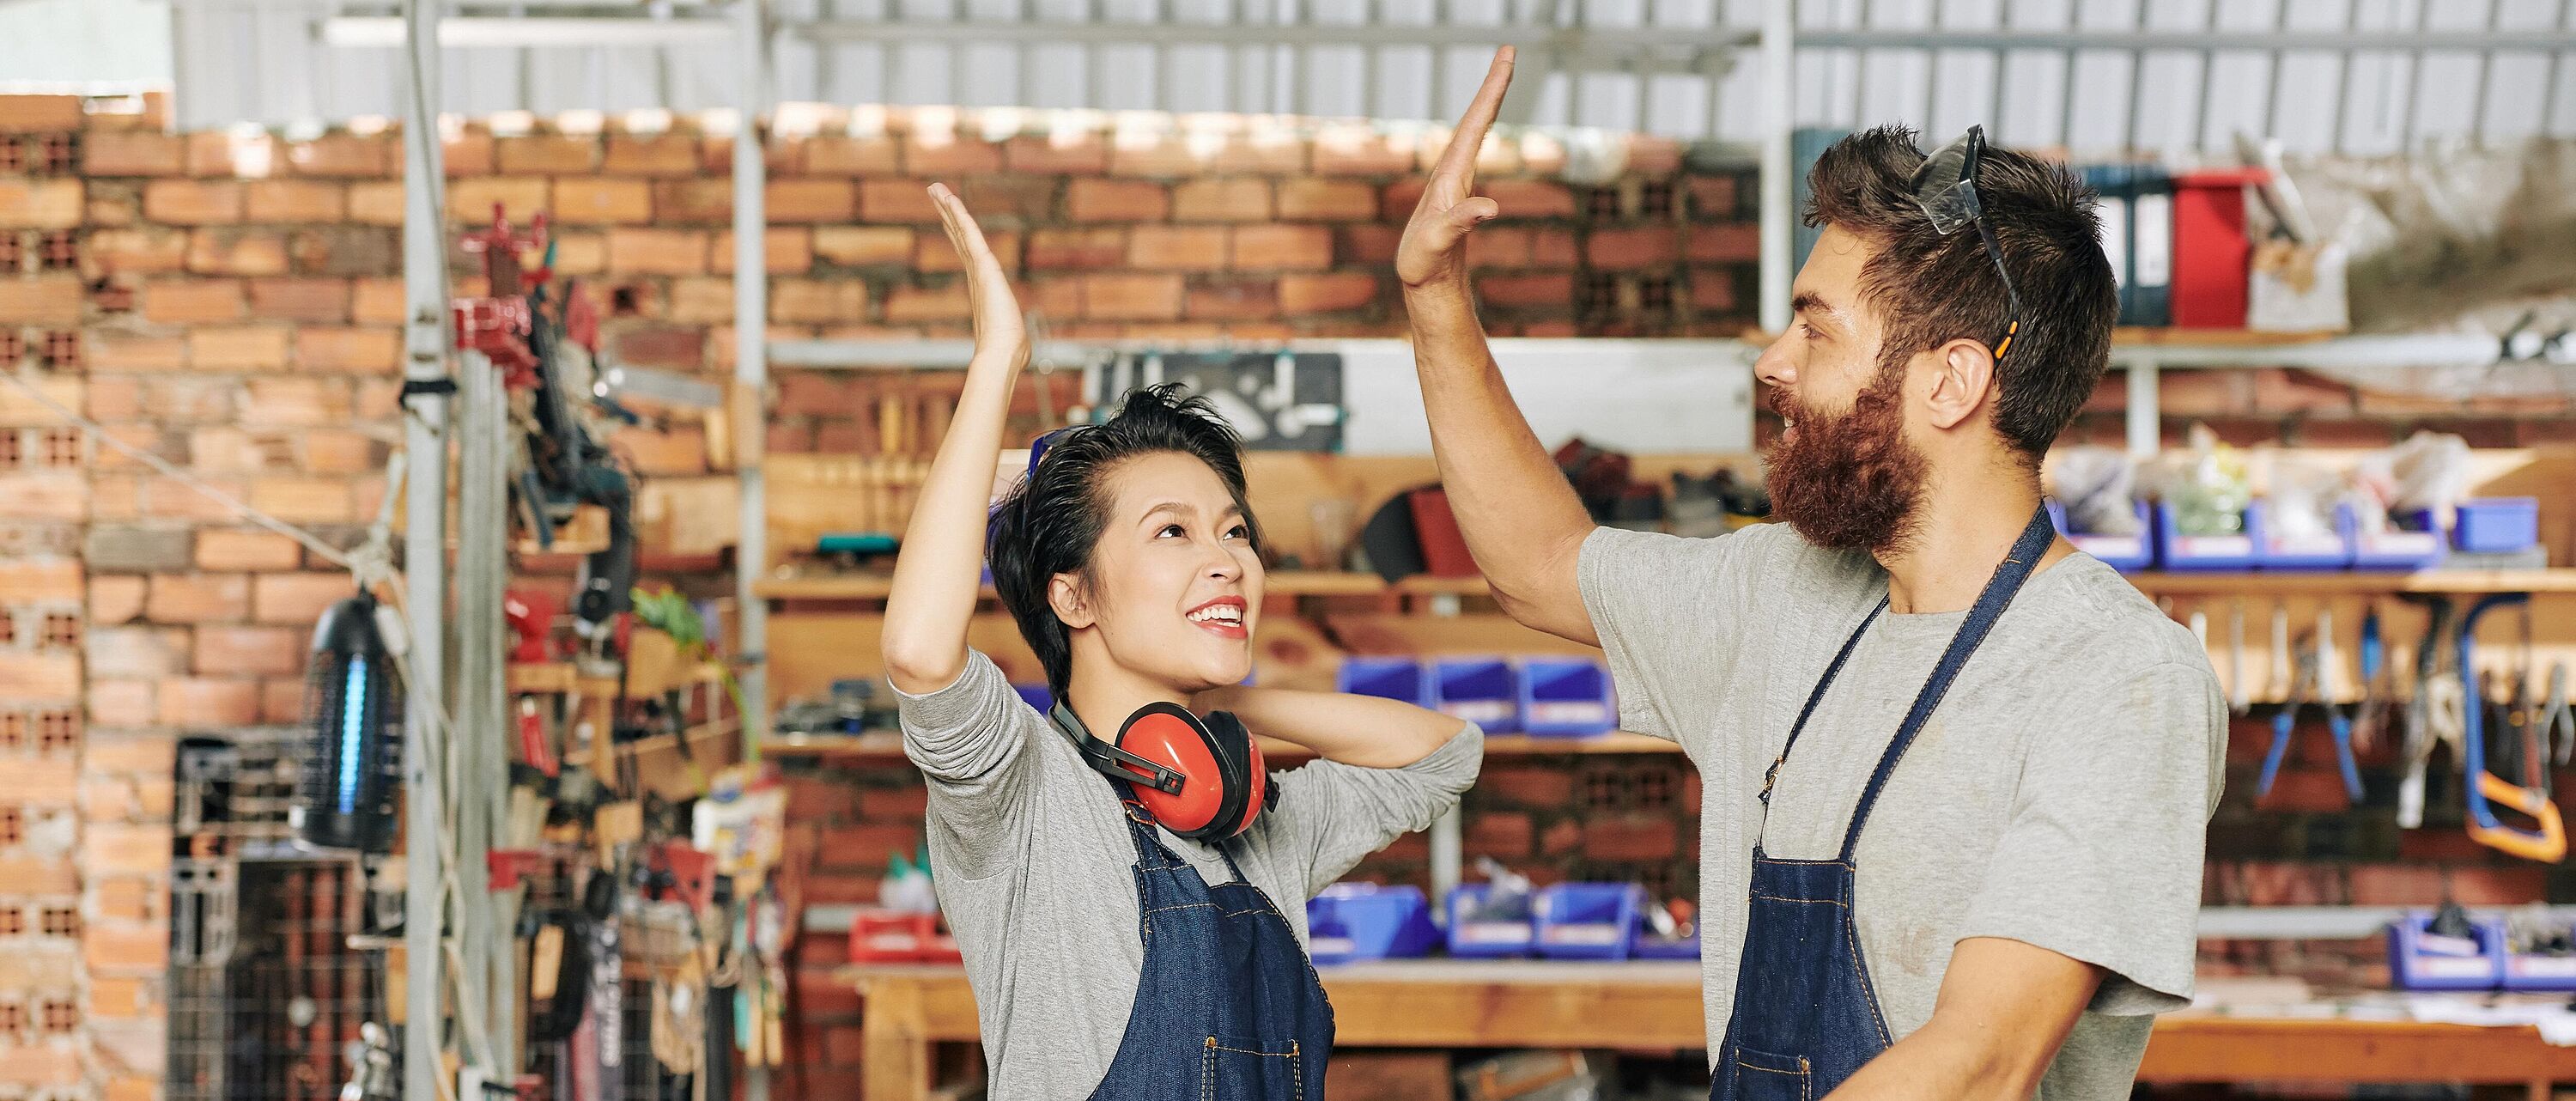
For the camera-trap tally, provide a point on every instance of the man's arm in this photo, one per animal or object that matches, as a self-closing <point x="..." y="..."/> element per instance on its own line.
<point x="2004" y="1009"/>
<point x="1354" y="730"/>
<point x="1522" y="522"/>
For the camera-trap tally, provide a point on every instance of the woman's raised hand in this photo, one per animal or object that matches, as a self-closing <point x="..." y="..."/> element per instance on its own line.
<point x="998" y="324"/>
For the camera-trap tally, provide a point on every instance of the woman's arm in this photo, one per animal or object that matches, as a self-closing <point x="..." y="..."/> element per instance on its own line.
<point x="936" y="576"/>
<point x="1355" y="730"/>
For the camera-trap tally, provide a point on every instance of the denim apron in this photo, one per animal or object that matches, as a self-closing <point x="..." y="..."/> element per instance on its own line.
<point x="1806" y="1016"/>
<point x="1228" y="1006"/>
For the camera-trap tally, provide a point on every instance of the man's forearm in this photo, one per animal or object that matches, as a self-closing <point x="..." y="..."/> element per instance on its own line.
<point x="1937" y="1063"/>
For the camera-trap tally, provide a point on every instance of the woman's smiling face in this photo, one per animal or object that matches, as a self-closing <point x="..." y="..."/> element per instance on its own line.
<point x="1175" y="581"/>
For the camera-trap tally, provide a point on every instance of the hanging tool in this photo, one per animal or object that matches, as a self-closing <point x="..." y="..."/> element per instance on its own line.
<point x="2238" y="699"/>
<point x="2546" y="843"/>
<point x="2557" y="722"/>
<point x="2433" y="717"/>
<point x="2376" y="682"/>
<point x="2284" y="680"/>
<point x="2310" y="684"/>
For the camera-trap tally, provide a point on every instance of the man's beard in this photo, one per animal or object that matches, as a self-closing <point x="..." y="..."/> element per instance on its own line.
<point x="1849" y="482"/>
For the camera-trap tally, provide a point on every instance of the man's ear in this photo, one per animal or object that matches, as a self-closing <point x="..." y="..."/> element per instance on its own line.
<point x="1064" y="594"/>
<point x="1963" y="377"/>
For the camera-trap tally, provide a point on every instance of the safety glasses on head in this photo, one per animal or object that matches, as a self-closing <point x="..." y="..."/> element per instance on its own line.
<point x="1945" y="187"/>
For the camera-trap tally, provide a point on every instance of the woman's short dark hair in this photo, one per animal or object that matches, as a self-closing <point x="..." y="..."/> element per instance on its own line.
<point x="1051" y="522"/>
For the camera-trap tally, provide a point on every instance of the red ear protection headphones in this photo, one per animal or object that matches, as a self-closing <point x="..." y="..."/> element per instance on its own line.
<point x="1202" y="778"/>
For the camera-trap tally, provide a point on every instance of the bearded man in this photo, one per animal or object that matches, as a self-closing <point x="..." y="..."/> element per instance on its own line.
<point x="1956" y="775"/>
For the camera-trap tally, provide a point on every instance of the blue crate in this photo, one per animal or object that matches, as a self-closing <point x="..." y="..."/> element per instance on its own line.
<point x="1588" y="921"/>
<point x="2331" y="550"/>
<point x="2412" y="541"/>
<point x="2497" y="525"/>
<point x="1035" y="695"/>
<point x="2175" y="551"/>
<point x="1388" y="678"/>
<point x="1364" y="921"/>
<point x="2125" y="553"/>
<point x="1484" y="691"/>
<point x="2533" y="972"/>
<point x="1566" y="697"/>
<point x="2418" y="960"/>
<point x="1484" y="939"/>
<point x="1652" y="947"/>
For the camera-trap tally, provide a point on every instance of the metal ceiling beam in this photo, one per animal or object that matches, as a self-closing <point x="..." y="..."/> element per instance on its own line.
<point x="532" y="30"/>
<point x="1682" y="42"/>
<point x="2537" y="40"/>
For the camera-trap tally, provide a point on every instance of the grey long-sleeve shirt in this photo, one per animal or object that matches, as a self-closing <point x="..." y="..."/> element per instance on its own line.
<point x="1031" y="858"/>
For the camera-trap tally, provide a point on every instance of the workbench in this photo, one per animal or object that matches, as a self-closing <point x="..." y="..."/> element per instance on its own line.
<point x="1649" y="1006"/>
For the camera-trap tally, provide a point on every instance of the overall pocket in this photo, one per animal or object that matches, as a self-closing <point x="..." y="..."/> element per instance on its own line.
<point x="1237" y="1068"/>
<point x="1760" y="1076"/>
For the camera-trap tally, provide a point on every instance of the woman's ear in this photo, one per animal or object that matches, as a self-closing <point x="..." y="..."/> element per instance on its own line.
<point x="1064" y="594"/>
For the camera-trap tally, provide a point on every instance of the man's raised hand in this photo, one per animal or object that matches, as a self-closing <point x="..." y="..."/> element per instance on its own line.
<point x="1434" y="249"/>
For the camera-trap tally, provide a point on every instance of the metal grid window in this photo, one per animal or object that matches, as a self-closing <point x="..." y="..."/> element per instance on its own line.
<point x="61" y="1017"/>
<point x="59" y="250"/>
<point x="62" y="350"/>
<point x="57" y="731"/>
<point x="62" y="630"/>
<point x="62" y="921"/>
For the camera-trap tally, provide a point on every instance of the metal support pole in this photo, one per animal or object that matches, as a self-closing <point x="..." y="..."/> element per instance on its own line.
<point x="750" y="435"/>
<point x="483" y="796"/>
<point x="1779" y="99"/>
<point x="2146" y="418"/>
<point x="424" y="549"/>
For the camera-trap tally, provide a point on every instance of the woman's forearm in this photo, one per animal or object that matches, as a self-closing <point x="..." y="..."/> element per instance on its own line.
<point x="938" y="573"/>
<point x="1354" y="730"/>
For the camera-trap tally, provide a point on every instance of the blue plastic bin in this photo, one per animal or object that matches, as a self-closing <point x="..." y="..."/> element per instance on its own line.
<point x="2412" y="541"/>
<point x="2328" y="550"/>
<point x="1566" y="697"/>
<point x="1652" y="947"/>
<point x="1364" y="921"/>
<point x="1035" y="695"/>
<point x="2125" y="553"/>
<point x="2419" y="960"/>
<point x="1389" y="678"/>
<point x="1588" y="921"/>
<point x="1484" y="691"/>
<point x="1483" y="939"/>
<point x="2527" y="972"/>
<point x="2175" y="551"/>
<point x="2497" y="525"/>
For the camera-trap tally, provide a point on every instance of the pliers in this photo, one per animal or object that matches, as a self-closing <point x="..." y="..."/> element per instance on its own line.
<point x="2309" y="684"/>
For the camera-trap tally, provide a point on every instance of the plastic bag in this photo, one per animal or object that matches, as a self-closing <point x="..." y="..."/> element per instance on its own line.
<point x="2205" y="484"/>
<point x="2303" y="499"/>
<point x="2431" y="470"/>
<point x="2098" y="486"/>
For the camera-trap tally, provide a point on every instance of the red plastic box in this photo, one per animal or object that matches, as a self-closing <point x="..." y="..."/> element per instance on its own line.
<point x="2212" y="254"/>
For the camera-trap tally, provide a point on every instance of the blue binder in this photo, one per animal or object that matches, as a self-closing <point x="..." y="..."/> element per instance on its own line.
<point x="2115" y="185"/>
<point x="2151" y="243"/>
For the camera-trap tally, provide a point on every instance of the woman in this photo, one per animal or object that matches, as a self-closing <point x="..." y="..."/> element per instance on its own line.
<point x="1109" y="957"/>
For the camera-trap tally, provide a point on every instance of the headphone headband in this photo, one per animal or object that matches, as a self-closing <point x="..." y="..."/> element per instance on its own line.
<point x="1111" y="759"/>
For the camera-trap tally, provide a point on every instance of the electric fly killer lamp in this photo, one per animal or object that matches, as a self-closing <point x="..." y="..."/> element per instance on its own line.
<point x="353" y="734"/>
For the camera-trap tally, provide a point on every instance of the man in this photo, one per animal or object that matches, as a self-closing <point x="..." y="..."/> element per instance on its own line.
<point x="1956" y="775"/>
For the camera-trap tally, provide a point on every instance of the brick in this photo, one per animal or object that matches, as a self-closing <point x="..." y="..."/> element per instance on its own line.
<point x="198" y="598"/>
<point x="1527" y="290"/>
<point x="657" y="251"/>
<point x="193" y="202"/>
<point x="1282" y="248"/>
<point x="295" y="201"/>
<point x="347" y="251"/>
<point x="1072" y="153"/>
<point x="901" y="202"/>
<point x="48" y="782"/>
<point x="125" y="850"/>
<point x="33" y="876"/>
<point x="693" y="202"/>
<point x="788" y="251"/>
<point x="341" y="452"/>
<point x="852" y="155"/>
<point x="1177" y="248"/>
<point x="236" y="252"/>
<point x="904" y="804"/>
<point x="949" y="155"/>
<point x="1503" y="836"/>
<point x="121" y="998"/>
<point x="40" y="581"/>
<point x="27" y="677"/>
<point x="808" y="301"/>
<point x="1714" y="198"/>
<point x="1527" y="198"/>
<point x="39" y="114"/>
<point x="149" y="250"/>
<point x="300" y="299"/>
<point x="945" y="302"/>
<point x="376" y="302"/>
<point x="344" y="155"/>
<point x="814" y="200"/>
<point x="702" y="301"/>
<point x="1724" y="242"/>
<point x="661" y="346"/>
<point x="298" y="598"/>
<point x="858" y="246"/>
<point x="1527" y="785"/>
<point x="376" y="203"/>
<point x="603" y="202"/>
<point x="230" y="153"/>
<point x="1552" y="248"/>
<point x="348" y="350"/>
<point x="41" y="1064"/>
<point x="1631" y="249"/>
<point x="1125" y="297"/>
<point x="296" y="402"/>
<point x="1090" y="200"/>
<point x="141" y="754"/>
<point x="114" y="600"/>
<point x="53" y="300"/>
<point x="233" y="451"/>
<point x="1077" y="249"/>
<point x="116" y="399"/>
<point x="249" y="651"/>
<point x="126" y="548"/>
<point x="1304" y="294"/>
<point x="123" y="949"/>
<point x="41" y="204"/>
<point x="1321" y="200"/>
<point x="281" y="700"/>
<point x="1359" y="150"/>
<point x="469" y="201"/>
<point x="194" y="301"/>
<point x="469" y="153"/>
<point x="674" y="451"/>
<point x="2517" y="886"/>
<point x="240" y="348"/>
<point x="304" y="500"/>
<point x="867" y="846"/>
<point x="1714" y="289"/>
<point x="670" y="153"/>
<point x="2396" y="885"/>
<point x="44" y="495"/>
<point x="933" y="254"/>
<point x="244" y="550"/>
<point x="140" y="652"/>
<point x="1235" y="301"/>
<point x="1221" y="200"/>
<point x="547" y="154"/>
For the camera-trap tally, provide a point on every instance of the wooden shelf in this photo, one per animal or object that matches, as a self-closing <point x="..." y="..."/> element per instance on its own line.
<point x="876" y="586"/>
<point x="566" y="677"/>
<point x="887" y="745"/>
<point x="2160" y="583"/>
<point x="702" y="739"/>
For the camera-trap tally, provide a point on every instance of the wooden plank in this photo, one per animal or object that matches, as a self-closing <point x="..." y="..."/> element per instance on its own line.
<point x="2228" y="1049"/>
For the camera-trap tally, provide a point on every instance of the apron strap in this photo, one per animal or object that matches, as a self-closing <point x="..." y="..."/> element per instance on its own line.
<point x="1997" y="595"/>
<point x="1772" y="775"/>
<point x="1142" y="828"/>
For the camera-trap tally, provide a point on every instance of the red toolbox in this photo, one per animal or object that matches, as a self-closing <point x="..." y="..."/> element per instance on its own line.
<point x="2211" y="252"/>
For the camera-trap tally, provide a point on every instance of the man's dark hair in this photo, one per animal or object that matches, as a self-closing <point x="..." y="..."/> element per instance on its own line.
<point x="1931" y="289"/>
<point x="1051" y="522"/>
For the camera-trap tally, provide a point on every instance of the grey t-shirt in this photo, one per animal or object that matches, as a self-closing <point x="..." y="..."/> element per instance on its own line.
<point x="1032" y="860"/>
<point x="2059" y="796"/>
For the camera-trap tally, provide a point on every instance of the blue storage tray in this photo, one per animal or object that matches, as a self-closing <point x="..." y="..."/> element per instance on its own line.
<point x="2125" y="553"/>
<point x="2206" y="552"/>
<point x="2418" y="960"/>
<point x="1484" y="691"/>
<point x="1566" y="697"/>
<point x="1388" y="678"/>
<point x="1588" y="921"/>
<point x="2329" y="551"/>
<point x="2497" y="525"/>
<point x="2415" y="542"/>
<point x="1035" y="695"/>
<point x="1652" y="947"/>
<point x="1483" y="939"/>
<point x="1364" y="921"/>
